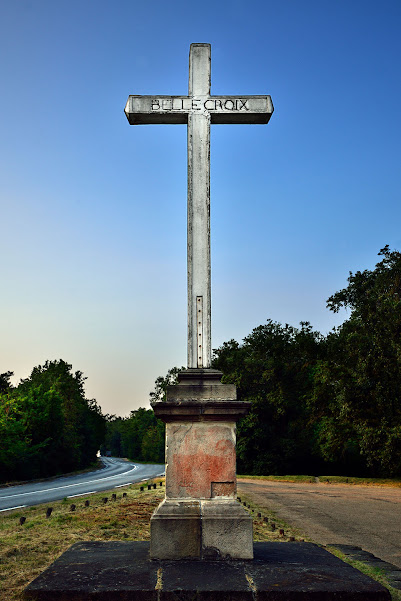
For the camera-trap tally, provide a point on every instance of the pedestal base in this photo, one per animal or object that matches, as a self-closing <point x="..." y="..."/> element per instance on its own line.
<point x="201" y="529"/>
<point x="97" y="571"/>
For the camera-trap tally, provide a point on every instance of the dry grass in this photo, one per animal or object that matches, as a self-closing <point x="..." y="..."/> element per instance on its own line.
<point x="25" y="551"/>
<point x="394" y="482"/>
<point x="297" y="478"/>
<point x="267" y="527"/>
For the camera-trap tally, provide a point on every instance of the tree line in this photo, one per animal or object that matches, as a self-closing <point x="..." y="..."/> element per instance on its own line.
<point x="139" y="437"/>
<point x="325" y="404"/>
<point x="47" y="426"/>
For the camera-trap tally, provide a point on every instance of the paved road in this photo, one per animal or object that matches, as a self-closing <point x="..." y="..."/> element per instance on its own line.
<point x="365" y="516"/>
<point x="114" y="473"/>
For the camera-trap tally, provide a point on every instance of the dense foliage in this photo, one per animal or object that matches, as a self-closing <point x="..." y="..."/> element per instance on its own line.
<point x="47" y="426"/>
<point x="325" y="404"/>
<point x="139" y="437"/>
<point x="273" y="369"/>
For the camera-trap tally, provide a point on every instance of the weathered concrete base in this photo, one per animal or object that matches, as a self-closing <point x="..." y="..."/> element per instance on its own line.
<point x="97" y="571"/>
<point x="201" y="529"/>
<point x="200" y="517"/>
<point x="175" y="530"/>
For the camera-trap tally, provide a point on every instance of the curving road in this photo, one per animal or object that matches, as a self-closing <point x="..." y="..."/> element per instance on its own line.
<point x="115" y="473"/>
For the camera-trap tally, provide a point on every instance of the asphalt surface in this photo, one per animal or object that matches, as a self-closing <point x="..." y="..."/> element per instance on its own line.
<point x="364" y="516"/>
<point x="115" y="473"/>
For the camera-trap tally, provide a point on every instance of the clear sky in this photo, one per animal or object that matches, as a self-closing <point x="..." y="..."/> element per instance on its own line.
<point x="93" y="211"/>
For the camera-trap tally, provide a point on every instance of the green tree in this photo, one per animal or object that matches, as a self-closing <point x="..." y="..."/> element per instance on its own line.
<point x="364" y="369"/>
<point x="113" y="437"/>
<point x="139" y="437"/>
<point x="273" y="369"/>
<point x="83" y="425"/>
<point x="5" y="384"/>
<point x="15" y="444"/>
<point x="161" y="383"/>
<point x="47" y="426"/>
<point x="152" y="446"/>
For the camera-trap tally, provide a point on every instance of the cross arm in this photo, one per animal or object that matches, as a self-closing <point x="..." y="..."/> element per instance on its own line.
<point x="157" y="109"/>
<point x="239" y="109"/>
<point x="175" y="109"/>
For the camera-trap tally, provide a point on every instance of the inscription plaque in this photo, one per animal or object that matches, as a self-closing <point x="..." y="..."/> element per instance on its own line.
<point x="175" y="109"/>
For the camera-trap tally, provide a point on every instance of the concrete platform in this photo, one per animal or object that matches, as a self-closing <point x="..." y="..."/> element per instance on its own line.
<point x="107" y="571"/>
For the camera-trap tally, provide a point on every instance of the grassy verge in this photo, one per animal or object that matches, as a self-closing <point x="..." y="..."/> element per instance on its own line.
<point x="373" y="572"/>
<point x="367" y="481"/>
<point x="26" y="550"/>
<point x="267" y="526"/>
<point x="309" y="479"/>
<point x="328" y="480"/>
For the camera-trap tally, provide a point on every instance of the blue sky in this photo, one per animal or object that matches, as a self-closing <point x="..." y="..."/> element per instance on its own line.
<point x="93" y="211"/>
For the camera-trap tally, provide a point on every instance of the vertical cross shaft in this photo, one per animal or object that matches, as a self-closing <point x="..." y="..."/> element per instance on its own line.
<point x="199" y="286"/>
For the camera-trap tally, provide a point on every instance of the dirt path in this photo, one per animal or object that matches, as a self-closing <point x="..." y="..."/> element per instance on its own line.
<point x="366" y="516"/>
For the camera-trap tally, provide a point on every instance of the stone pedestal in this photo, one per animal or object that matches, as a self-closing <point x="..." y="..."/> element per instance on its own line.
<point x="122" y="571"/>
<point x="200" y="517"/>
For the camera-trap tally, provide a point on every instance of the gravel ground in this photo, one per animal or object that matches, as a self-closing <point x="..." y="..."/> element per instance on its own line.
<point x="332" y="514"/>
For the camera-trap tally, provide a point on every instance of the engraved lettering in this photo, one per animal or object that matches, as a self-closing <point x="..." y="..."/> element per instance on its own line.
<point x="167" y="104"/>
<point x="178" y="104"/>
<point x="218" y="103"/>
<point x="155" y="104"/>
<point x="209" y="107"/>
<point x="242" y="106"/>
<point x="195" y="106"/>
<point x="229" y="105"/>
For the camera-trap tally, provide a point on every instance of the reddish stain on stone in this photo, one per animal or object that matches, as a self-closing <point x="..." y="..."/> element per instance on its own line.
<point x="203" y="456"/>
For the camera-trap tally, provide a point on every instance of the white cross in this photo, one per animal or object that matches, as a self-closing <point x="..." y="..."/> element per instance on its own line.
<point x="199" y="109"/>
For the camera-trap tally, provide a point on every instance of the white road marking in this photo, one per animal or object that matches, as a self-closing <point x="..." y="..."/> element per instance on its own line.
<point x="11" y="508"/>
<point x="120" y="485"/>
<point x="82" y="494"/>
<point x="36" y="492"/>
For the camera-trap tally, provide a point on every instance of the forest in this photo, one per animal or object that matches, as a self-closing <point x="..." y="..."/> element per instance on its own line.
<point x="139" y="437"/>
<point x="47" y="426"/>
<point x="319" y="404"/>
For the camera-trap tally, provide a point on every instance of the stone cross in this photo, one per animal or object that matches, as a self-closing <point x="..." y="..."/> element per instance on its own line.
<point x="199" y="109"/>
<point x="200" y="516"/>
